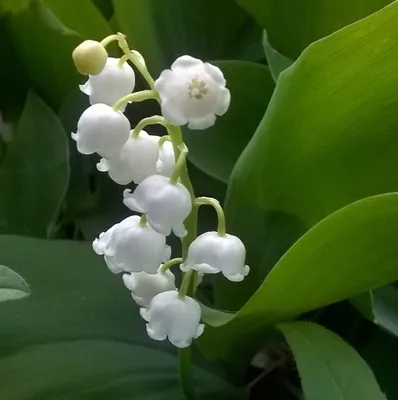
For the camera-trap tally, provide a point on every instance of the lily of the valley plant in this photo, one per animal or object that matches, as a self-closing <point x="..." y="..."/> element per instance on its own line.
<point x="191" y="93"/>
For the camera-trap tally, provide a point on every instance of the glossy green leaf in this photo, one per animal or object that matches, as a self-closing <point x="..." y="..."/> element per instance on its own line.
<point x="292" y="25"/>
<point x="79" y="335"/>
<point x="349" y="252"/>
<point x="276" y="61"/>
<point x="329" y="368"/>
<point x="216" y="149"/>
<point x="327" y="139"/>
<point x="34" y="174"/>
<point x="81" y="16"/>
<point x="381" y="352"/>
<point x="12" y="286"/>
<point x="44" y="46"/>
<point x="210" y="30"/>
<point x="381" y="307"/>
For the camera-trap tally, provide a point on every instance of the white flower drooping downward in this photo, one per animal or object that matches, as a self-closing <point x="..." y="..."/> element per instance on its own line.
<point x="137" y="160"/>
<point x="111" y="84"/>
<point x="166" y="204"/>
<point x="211" y="253"/>
<point x="131" y="247"/>
<point x="171" y="317"/>
<point x="144" y="287"/>
<point x="101" y="130"/>
<point x="192" y="92"/>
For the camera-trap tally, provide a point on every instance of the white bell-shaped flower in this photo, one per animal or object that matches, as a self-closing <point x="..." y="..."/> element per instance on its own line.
<point x="101" y="130"/>
<point x="130" y="247"/>
<point x="211" y="253"/>
<point x="111" y="84"/>
<point x="144" y="287"/>
<point x="166" y="162"/>
<point x="167" y="205"/>
<point x="171" y="317"/>
<point x="137" y="160"/>
<point x="192" y="92"/>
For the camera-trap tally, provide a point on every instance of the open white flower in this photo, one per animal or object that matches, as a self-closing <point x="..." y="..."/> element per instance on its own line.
<point x="166" y="205"/>
<point x="192" y="92"/>
<point x="144" y="287"/>
<point x="130" y="247"/>
<point x="166" y="162"/>
<point x="101" y="130"/>
<point x="111" y="84"/>
<point x="137" y="160"/>
<point x="211" y="253"/>
<point x="170" y="317"/>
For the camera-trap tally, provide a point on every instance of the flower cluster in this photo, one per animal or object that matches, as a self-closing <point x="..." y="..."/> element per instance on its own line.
<point x="191" y="92"/>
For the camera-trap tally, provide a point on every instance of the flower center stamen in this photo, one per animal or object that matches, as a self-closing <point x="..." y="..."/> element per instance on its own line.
<point x="197" y="89"/>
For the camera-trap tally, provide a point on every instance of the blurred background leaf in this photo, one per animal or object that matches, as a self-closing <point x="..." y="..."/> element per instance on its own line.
<point x="293" y="25"/>
<point x="80" y="335"/>
<point x="206" y="29"/>
<point x="12" y="286"/>
<point x="34" y="175"/>
<point x="329" y="368"/>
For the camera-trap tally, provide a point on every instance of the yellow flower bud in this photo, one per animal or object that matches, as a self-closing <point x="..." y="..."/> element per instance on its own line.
<point x="90" y="57"/>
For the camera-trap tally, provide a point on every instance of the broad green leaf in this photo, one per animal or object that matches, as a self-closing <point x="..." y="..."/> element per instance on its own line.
<point x="44" y="46"/>
<point x="210" y="30"/>
<point x="328" y="138"/>
<point x="81" y="16"/>
<point x="381" y="307"/>
<point x="381" y="352"/>
<point x="216" y="149"/>
<point x="329" y="368"/>
<point x="276" y="61"/>
<point x="349" y="252"/>
<point x="12" y="286"/>
<point x="80" y="336"/>
<point x="34" y="174"/>
<point x="292" y="25"/>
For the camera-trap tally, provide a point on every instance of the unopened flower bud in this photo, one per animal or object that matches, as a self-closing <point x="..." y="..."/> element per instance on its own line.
<point x="90" y="57"/>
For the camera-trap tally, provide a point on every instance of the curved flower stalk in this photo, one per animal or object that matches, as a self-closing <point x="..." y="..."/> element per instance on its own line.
<point x="191" y="92"/>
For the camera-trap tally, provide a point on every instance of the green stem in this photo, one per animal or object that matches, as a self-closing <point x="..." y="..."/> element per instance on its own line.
<point x="165" y="138"/>
<point x="180" y="165"/>
<point x="140" y="65"/>
<point x="170" y="264"/>
<point x="143" y="221"/>
<point x="221" y="229"/>
<point x="135" y="97"/>
<point x="154" y="120"/>
<point x="186" y="373"/>
<point x="185" y="284"/>
<point x="109" y="39"/>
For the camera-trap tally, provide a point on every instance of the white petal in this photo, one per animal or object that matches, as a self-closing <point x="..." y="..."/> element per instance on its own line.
<point x="203" y="122"/>
<point x="144" y="314"/>
<point x="103" y="165"/>
<point x="86" y="88"/>
<point x="171" y="110"/>
<point x="130" y="201"/>
<point x="186" y="62"/>
<point x="179" y="230"/>
<point x="215" y="73"/>
<point x="224" y="99"/>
